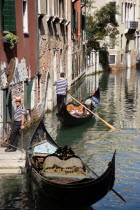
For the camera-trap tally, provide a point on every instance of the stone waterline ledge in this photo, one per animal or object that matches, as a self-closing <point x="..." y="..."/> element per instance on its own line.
<point x="12" y="162"/>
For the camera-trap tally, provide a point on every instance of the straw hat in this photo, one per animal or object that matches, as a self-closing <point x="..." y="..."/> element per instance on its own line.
<point x="18" y="99"/>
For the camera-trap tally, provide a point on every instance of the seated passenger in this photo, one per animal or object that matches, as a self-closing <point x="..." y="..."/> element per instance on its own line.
<point x="94" y="99"/>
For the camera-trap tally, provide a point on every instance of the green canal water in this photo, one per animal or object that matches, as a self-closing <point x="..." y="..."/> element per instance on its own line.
<point x="120" y="107"/>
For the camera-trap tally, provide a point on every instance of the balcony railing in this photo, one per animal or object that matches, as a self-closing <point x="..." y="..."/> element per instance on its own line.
<point x="131" y="25"/>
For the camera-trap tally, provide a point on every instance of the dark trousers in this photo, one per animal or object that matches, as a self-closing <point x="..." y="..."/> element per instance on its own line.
<point x="15" y="127"/>
<point x="60" y="101"/>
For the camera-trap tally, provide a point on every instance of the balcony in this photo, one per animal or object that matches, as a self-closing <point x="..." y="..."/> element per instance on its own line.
<point x="131" y="26"/>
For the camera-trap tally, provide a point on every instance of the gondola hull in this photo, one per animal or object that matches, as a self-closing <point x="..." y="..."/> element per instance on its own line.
<point x="83" y="192"/>
<point x="68" y="120"/>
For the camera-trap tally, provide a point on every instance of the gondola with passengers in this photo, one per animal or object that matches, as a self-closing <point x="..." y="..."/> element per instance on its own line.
<point x="72" y="114"/>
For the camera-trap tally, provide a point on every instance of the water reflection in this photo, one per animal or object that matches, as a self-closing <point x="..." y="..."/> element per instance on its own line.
<point x="42" y="203"/>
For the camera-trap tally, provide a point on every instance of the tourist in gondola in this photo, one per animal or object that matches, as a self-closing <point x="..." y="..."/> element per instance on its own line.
<point x="61" y="90"/>
<point x="17" y="124"/>
<point x="92" y="101"/>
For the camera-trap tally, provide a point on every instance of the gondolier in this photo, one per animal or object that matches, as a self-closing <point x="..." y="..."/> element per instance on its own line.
<point x="17" y="124"/>
<point x="61" y="89"/>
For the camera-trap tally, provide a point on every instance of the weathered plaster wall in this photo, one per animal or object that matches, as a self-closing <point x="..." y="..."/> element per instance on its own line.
<point x="53" y="58"/>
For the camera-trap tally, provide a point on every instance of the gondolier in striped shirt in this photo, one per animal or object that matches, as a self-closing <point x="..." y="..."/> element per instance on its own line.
<point x="17" y="124"/>
<point x="61" y="89"/>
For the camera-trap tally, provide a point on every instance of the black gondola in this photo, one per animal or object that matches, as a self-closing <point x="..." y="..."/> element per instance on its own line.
<point x="72" y="114"/>
<point x="68" y="189"/>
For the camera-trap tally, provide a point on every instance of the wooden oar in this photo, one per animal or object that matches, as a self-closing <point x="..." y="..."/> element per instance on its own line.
<point x="98" y="176"/>
<point x="112" y="128"/>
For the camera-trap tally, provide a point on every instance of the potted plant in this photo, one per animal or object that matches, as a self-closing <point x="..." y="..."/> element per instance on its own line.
<point x="11" y="38"/>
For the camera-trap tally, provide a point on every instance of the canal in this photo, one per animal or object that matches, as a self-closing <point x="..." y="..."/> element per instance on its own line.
<point x="120" y="107"/>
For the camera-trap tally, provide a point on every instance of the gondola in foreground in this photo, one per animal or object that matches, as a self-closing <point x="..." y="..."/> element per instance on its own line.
<point x="72" y="114"/>
<point x="61" y="176"/>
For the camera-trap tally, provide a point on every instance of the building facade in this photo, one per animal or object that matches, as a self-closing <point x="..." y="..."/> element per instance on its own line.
<point x="124" y="49"/>
<point x="18" y="63"/>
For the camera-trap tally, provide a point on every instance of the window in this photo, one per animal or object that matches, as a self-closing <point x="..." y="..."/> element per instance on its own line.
<point x="122" y="13"/>
<point x="25" y="16"/>
<point x="138" y="41"/>
<point x="60" y="9"/>
<point x="7" y="105"/>
<point x="135" y="43"/>
<point x="52" y="7"/>
<point x="75" y="19"/>
<point x="27" y="94"/>
<point x="121" y="41"/>
<point x="47" y="8"/>
<point x="55" y="8"/>
<point x="112" y="59"/>
<point x="112" y="43"/>
<point x="134" y="12"/>
<point x="39" y="81"/>
<point x="121" y="58"/>
<point x="83" y="22"/>
<point x="8" y="15"/>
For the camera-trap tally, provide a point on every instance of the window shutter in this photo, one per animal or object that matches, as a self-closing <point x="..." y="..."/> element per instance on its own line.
<point x="73" y="18"/>
<point x="4" y="106"/>
<point x="7" y="105"/>
<point x="83" y="22"/>
<point x="27" y="98"/>
<point x="8" y="15"/>
<point x="76" y="20"/>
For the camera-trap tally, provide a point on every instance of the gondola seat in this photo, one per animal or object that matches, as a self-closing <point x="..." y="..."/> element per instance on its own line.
<point x="70" y="167"/>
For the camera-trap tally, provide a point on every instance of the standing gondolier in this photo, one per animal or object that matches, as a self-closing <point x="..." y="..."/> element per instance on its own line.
<point x="61" y="89"/>
<point x="17" y="124"/>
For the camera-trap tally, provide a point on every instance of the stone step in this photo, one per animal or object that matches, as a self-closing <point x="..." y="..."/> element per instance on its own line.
<point x="12" y="162"/>
<point x="11" y="171"/>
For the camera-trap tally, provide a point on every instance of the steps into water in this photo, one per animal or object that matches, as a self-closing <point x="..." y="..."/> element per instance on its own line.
<point x="12" y="162"/>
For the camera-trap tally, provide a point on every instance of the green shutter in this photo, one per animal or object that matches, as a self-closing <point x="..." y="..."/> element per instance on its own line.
<point x="27" y="96"/>
<point x="72" y="18"/>
<point x="4" y="106"/>
<point x="8" y="15"/>
<point x="76" y="19"/>
<point x="7" y="105"/>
